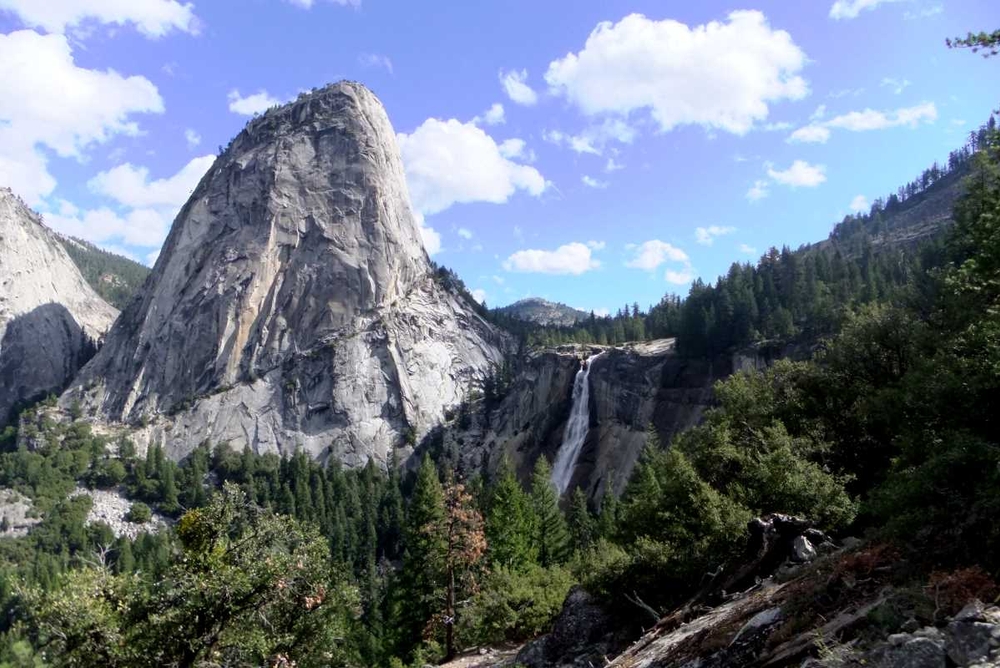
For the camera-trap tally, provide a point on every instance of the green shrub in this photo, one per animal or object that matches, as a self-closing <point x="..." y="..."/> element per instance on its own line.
<point x="514" y="606"/>
<point x="139" y="513"/>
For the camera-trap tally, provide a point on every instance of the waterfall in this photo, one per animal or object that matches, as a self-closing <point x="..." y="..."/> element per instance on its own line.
<point x="576" y="428"/>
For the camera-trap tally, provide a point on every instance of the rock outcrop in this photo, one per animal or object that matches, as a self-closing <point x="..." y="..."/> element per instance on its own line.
<point x="543" y="312"/>
<point x="632" y="388"/>
<point x="293" y="304"/>
<point x="50" y="319"/>
<point x="584" y="634"/>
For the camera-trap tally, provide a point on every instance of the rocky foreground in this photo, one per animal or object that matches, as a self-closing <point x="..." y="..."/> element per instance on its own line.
<point x="797" y="598"/>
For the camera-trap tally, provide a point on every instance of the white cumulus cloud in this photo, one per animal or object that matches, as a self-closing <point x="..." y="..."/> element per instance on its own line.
<point x="130" y="185"/>
<point x="153" y="18"/>
<point x="748" y="249"/>
<point x="192" y="138"/>
<point x="495" y="115"/>
<point x="850" y="9"/>
<point x="651" y="254"/>
<point x="591" y="182"/>
<point x="897" y="86"/>
<point x="449" y="162"/>
<point x="869" y="119"/>
<point x="594" y="138"/>
<point x="810" y="134"/>
<point x="48" y="102"/>
<point x="430" y="237"/>
<point x="570" y="259"/>
<point x="143" y="209"/>
<point x="758" y="191"/>
<point x="799" y="175"/>
<point x="515" y="85"/>
<point x="514" y="148"/>
<point x="706" y="236"/>
<point x="720" y="75"/>
<point x="866" y="121"/>
<point x="256" y="103"/>
<point x="681" y="277"/>
<point x="860" y="204"/>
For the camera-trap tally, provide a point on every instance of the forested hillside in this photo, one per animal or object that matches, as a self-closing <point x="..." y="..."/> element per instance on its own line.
<point x="801" y="294"/>
<point x="364" y="568"/>
<point x="113" y="277"/>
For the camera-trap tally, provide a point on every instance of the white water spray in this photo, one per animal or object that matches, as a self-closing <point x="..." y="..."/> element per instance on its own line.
<point x="576" y="429"/>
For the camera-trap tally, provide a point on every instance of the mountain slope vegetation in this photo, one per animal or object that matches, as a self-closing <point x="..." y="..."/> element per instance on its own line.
<point x="112" y="276"/>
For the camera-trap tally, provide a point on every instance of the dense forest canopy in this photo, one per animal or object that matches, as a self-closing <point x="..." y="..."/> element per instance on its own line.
<point x="113" y="277"/>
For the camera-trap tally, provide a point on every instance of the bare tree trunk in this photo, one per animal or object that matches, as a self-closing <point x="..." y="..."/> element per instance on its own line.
<point x="450" y="617"/>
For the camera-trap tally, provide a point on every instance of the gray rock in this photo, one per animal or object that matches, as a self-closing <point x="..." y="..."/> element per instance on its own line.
<point x="972" y="612"/>
<point x="915" y="653"/>
<point x="17" y="514"/>
<point x="851" y="543"/>
<point x="761" y="620"/>
<point x="111" y="508"/>
<point x="803" y="550"/>
<point x="932" y="632"/>
<point x="293" y="304"/>
<point x="50" y="319"/>
<point x="583" y="634"/>
<point x="969" y="641"/>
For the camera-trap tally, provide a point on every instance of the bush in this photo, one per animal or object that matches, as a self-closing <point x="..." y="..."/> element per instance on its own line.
<point x="952" y="591"/>
<point x="139" y="513"/>
<point x="515" y="606"/>
<point x="106" y="473"/>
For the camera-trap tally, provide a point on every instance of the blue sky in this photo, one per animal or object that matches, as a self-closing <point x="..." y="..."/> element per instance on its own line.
<point x="595" y="153"/>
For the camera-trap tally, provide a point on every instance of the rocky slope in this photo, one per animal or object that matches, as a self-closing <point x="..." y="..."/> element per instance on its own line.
<point x="543" y="312"/>
<point x="633" y="388"/>
<point x="293" y="304"/>
<point x="50" y="319"/>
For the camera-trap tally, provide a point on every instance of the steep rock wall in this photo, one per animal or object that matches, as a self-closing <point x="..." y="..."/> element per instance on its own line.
<point x="293" y="304"/>
<point x="50" y="319"/>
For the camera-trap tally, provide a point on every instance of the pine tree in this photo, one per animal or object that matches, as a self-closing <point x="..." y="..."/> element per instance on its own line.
<point x="425" y="547"/>
<point x="510" y="523"/>
<point x="124" y="559"/>
<point x="466" y="544"/>
<point x="607" y="520"/>
<point x="582" y="526"/>
<point x="391" y="513"/>
<point x="551" y="534"/>
<point x="168" y="488"/>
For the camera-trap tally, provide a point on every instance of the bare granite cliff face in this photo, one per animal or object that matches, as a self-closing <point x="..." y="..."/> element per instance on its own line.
<point x="293" y="304"/>
<point x="50" y="319"/>
<point x="632" y="388"/>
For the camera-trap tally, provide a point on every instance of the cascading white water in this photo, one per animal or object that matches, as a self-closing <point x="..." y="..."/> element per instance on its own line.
<point x="576" y="428"/>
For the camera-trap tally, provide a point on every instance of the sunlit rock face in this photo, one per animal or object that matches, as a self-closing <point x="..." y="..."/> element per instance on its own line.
<point x="293" y="304"/>
<point x="50" y="319"/>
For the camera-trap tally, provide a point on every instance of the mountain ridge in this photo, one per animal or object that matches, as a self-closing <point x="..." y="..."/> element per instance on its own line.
<point x="543" y="312"/>
<point x="292" y="302"/>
